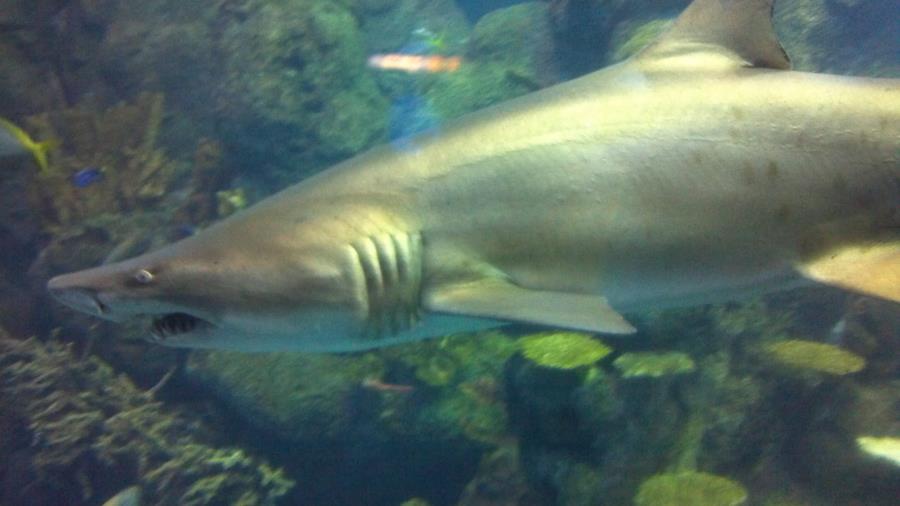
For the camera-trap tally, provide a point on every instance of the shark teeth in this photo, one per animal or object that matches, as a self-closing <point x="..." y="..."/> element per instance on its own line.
<point x="172" y="324"/>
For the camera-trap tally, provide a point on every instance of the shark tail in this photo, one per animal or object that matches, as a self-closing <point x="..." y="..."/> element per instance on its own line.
<point x="871" y="270"/>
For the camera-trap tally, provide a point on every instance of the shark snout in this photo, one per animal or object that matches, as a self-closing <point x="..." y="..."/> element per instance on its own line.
<point x="68" y="290"/>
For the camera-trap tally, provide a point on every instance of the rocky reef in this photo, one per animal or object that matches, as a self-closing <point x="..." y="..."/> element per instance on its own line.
<point x="171" y="114"/>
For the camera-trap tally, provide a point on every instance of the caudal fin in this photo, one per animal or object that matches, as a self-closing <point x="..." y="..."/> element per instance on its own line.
<point x="37" y="149"/>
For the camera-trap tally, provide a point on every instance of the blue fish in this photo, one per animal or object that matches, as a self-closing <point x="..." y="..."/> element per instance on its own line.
<point x="87" y="176"/>
<point x="410" y="115"/>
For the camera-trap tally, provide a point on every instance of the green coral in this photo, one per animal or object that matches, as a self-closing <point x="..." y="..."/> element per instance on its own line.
<point x="815" y="357"/>
<point x="295" y="71"/>
<point x="563" y="350"/>
<point x="690" y="489"/>
<point x="85" y="423"/>
<point x="653" y="364"/>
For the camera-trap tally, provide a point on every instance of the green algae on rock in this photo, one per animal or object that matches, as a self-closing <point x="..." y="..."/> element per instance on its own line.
<point x="690" y="489"/>
<point x="563" y="350"/>
<point x="815" y="357"/>
<point x="653" y="364"/>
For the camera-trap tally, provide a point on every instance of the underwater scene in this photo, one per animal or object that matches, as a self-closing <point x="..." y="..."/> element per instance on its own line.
<point x="450" y="252"/>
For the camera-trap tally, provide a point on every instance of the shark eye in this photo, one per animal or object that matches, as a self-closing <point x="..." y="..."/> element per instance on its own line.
<point x="143" y="276"/>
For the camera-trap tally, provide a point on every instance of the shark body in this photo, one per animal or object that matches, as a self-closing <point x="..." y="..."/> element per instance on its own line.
<point x="697" y="171"/>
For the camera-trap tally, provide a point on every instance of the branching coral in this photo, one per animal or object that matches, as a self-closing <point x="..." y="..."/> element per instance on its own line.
<point x="86" y="424"/>
<point x="120" y="143"/>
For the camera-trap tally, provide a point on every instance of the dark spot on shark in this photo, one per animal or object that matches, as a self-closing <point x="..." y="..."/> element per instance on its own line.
<point x="748" y="174"/>
<point x="772" y="170"/>
<point x="783" y="213"/>
<point x="839" y="184"/>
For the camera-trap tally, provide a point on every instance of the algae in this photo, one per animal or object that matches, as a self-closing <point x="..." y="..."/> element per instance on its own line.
<point x="563" y="350"/>
<point x="690" y="489"/>
<point x="653" y="364"/>
<point x="815" y="357"/>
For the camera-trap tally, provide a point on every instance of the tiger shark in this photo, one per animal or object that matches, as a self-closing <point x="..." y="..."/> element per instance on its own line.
<point x="699" y="170"/>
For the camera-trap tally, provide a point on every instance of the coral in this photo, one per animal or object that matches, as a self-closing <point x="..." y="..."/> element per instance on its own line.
<point x="295" y="72"/>
<point x="87" y="429"/>
<point x="119" y="142"/>
<point x="274" y="392"/>
<point x="690" y="489"/>
<point x="653" y="364"/>
<point x="887" y="448"/>
<point x="815" y="357"/>
<point x="508" y="54"/>
<point x="563" y="350"/>
<point x="207" y="177"/>
<point x="500" y="481"/>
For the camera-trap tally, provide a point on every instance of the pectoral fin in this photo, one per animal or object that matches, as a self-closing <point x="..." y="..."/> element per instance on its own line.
<point x="500" y="300"/>
<point x="871" y="270"/>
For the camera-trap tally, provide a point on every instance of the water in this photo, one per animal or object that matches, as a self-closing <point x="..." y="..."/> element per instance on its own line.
<point x="164" y="117"/>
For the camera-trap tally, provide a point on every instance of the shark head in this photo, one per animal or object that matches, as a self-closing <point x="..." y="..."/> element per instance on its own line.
<point x="245" y="289"/>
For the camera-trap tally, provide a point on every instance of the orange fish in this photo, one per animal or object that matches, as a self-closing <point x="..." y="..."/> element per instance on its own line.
<point x="376" y="384"/>
<point x="415" y="63"/>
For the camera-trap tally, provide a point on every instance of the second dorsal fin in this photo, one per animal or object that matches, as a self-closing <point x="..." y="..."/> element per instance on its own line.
<point x="740" y="28"/>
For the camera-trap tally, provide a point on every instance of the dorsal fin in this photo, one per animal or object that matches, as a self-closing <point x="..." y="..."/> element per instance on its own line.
<point x="741" y="29"/>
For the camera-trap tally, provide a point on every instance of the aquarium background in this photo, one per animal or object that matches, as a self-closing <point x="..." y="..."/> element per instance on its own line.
<point x="172" y="114"/>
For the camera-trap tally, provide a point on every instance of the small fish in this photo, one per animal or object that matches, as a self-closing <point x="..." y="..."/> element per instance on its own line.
<point x="373" y="383"/>
<point x="415" y="63"/>
<point x="410" y="115"/>
<point x="87" y="176"/>
<point x="16" y="142"/>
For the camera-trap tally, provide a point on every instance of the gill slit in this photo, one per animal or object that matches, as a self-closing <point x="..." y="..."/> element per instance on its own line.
<point x="391" y="269"/>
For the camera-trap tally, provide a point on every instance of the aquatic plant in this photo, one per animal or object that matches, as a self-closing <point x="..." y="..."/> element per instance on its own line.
<point x="563" y="350"/>
<point x="81" y="423"/>
<point x="653" y="364"/>
<point x="690" y="489"/>
<point x="815" y="357"/>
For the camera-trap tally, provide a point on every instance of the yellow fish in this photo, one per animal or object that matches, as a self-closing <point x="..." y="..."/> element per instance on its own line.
<point x="15" y="142"/>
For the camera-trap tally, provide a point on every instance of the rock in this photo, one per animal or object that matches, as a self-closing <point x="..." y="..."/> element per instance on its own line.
<point x="827" y="454"/>
<point x="842" y="37"/>
<point x="295" y="96"/>
<point x="510" y="53"/>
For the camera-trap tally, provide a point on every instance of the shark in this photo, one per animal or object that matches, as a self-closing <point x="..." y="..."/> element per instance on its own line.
<point x="700" y="170"/>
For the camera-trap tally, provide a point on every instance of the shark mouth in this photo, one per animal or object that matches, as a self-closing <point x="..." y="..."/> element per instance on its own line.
<point x="173" y="324"/>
